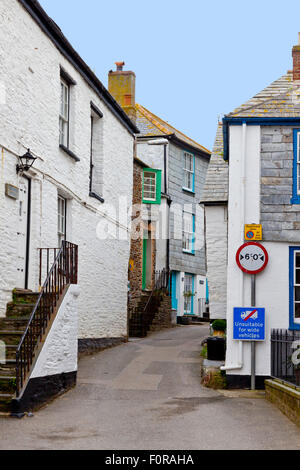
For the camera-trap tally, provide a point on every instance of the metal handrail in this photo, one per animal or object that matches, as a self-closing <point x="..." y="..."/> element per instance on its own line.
<point x="161" y="282"/>
<point x="62" y="273"/>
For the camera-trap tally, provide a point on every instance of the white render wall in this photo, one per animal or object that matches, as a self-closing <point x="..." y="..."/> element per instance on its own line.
<point x="59" y="354"/>
<point x="216" y="256"/>
<point x="30" y="73"/>
<point x="272" y="285"/>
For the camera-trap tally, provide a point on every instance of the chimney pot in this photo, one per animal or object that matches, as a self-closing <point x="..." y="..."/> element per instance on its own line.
<point x="296" y="60"/>
<point x="120" y="66"/>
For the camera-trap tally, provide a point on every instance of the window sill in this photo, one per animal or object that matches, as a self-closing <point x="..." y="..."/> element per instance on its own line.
<point x="96" y="196"/>
<point x="151" y="202"/>
<point x="192" y="253"/>
<point x="295" y="327"/>
<point x="188" y="191"/>
<point x="69" y="152"/>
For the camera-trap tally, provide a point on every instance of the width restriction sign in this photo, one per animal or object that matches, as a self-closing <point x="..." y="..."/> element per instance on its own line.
<point x="252" y="258"/>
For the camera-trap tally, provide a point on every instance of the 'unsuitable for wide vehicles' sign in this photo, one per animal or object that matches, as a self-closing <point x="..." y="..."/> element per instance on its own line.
<point x="249" y="324"/>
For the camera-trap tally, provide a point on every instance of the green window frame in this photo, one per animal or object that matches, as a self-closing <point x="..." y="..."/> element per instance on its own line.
<point x="151" y="184"/>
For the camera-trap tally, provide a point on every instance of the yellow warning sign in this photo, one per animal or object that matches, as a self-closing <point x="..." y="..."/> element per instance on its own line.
<point x="131" y="265"/>
<point x="253" y="232"/>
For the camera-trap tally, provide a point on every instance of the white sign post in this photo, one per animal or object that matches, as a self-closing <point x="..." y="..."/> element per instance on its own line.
<point x="252" y="258"/>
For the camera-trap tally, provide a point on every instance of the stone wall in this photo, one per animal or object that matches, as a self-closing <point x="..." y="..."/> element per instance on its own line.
<point x="286" y="397"/>
<point x="135" y="276"/>
<point x="30" y="65"/>
<point x="280" y="218"/>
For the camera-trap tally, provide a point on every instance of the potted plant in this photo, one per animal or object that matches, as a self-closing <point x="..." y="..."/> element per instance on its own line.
<point x="219" y="328"/>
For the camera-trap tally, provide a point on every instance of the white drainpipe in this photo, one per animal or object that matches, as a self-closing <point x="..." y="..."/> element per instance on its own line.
<point x="240" y="363"/>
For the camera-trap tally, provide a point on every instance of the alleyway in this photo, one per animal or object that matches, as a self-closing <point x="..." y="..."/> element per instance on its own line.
<point x="147" y="395"/>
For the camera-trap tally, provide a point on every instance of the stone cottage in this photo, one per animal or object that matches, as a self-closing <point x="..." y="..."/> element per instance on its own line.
<point x="172" y="190"/>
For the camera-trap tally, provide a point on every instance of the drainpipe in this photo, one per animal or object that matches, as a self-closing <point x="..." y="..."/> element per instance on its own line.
<point x="240" y="363"/>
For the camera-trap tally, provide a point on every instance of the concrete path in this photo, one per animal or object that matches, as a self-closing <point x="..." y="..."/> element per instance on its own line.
<point x="147" y="395"/>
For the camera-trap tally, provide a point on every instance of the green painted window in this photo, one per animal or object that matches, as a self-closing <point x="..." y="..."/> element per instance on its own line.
<point x="151" y="186"/>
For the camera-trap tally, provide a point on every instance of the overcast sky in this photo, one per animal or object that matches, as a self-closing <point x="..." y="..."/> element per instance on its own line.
<point x="194" y="60"/>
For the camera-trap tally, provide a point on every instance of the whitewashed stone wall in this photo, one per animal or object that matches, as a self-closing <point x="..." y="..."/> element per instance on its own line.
<point x="30" y="74"/>
<point x="60" y="350"/>
<point x="216" y="253"/>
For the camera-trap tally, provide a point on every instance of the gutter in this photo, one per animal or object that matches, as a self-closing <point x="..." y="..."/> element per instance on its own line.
<point x="253" y="121"/>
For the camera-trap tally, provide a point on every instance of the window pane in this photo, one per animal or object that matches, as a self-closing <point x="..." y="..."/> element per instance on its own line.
<point x="297" y="310"/>
<point x="150" y="186"/>
<point x="298" y="260"/>
<point x="297" y="294"/>
<point x="297" y="280"/>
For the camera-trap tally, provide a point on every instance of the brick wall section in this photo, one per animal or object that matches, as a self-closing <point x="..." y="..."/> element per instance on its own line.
<point x="280" y="218"/>
<point x="136" y="249"/>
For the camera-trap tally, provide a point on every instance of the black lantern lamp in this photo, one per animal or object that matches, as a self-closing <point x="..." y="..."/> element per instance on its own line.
<point x="26" y="162"/>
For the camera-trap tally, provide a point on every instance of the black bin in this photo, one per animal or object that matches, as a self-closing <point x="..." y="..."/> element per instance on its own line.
<point x="216" y="348"/>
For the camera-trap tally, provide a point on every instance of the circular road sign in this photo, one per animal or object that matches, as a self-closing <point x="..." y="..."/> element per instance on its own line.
<point x="252" y="258"/>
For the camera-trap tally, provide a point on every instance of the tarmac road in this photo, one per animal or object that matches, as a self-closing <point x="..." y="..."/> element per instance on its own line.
<point x="147" y="395"/>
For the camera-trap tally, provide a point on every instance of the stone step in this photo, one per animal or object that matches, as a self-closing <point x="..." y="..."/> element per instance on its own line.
<point x="19" y="310"/>
<point x="7" y="383"/>
<point x="5" y="402"/>
<point x="10" y="351"/>
<point x="11" y="337"/>
<point x="23" y="296"/>
<point x="10" y="365"/>
<point x="14" y="324"/>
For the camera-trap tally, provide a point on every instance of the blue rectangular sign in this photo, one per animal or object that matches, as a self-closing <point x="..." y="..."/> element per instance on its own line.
<point x="249" y="324"/>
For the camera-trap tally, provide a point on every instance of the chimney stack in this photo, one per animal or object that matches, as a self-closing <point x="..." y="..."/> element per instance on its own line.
<point x="296" y="60"/>
<point x="121" y="85"/>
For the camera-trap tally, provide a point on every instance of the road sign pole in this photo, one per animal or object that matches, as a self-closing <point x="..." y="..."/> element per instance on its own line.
<point x="253" y="344"/>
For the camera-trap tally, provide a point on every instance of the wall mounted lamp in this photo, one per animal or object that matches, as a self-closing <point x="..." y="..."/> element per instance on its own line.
<point x="25" y="162"/>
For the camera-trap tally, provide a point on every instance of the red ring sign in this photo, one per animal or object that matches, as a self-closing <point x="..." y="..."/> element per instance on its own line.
<point x="252" y="258"/>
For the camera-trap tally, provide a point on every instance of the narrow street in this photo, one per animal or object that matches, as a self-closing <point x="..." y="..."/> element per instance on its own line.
<point x="147" y="395"/>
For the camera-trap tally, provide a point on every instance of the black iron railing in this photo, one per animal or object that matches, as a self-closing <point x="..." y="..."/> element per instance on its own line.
<point x="162" y="280"/>
<point x="62" y="273"/>
<point x="47" y="256"/>
<point x="161" y="283"/>
<point x="284" y="347"/>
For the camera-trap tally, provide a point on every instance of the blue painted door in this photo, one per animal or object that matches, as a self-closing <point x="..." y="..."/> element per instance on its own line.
<point x="174" y="290"/>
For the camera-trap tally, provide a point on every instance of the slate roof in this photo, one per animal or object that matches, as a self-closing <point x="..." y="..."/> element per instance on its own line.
<point x="216" y="184"/>
<point x="151" y="125"/>
<point x="280" y="99"/>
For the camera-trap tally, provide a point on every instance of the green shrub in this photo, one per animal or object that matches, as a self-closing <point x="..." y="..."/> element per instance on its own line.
<point x="219" y="325"/>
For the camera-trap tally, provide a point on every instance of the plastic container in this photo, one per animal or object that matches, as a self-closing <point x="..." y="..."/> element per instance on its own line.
<point x="216" y="349"/>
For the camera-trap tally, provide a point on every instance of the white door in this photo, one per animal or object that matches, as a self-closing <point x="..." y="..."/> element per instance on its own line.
<point x="23" y="234"/>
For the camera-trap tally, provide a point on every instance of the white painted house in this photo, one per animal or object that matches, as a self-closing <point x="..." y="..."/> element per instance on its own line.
<point x="255" y="168"/>
<point x="54" y="105"/>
